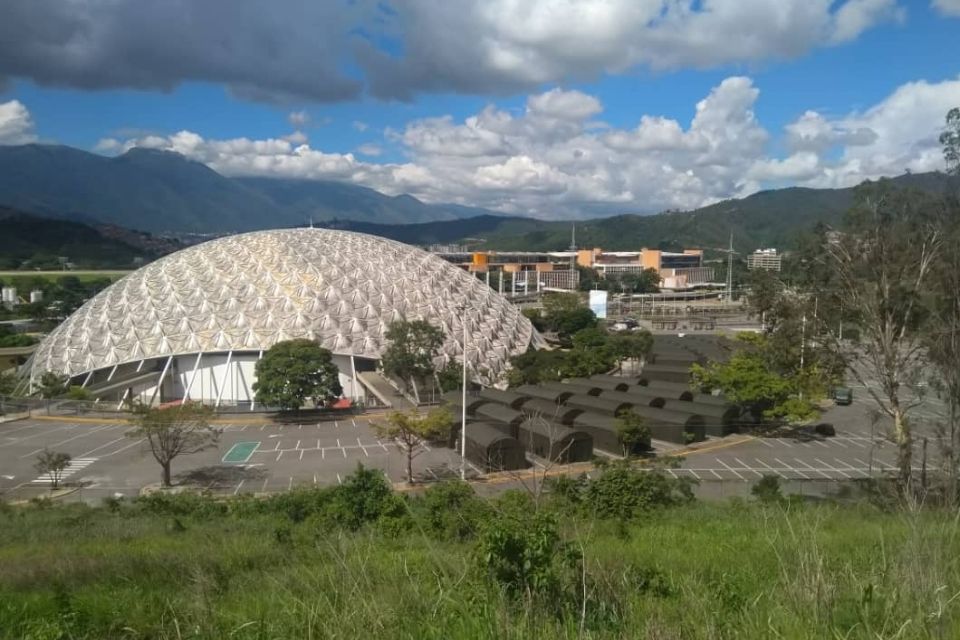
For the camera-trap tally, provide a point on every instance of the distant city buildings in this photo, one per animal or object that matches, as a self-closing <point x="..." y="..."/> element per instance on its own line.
<point x="766" y="259"/>
<point x="526" y="271"/>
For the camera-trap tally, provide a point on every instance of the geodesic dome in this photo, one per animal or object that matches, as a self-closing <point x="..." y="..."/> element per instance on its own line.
<point x="247" y="292"/>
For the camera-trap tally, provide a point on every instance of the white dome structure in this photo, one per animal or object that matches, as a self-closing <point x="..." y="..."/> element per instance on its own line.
<point x="194" y="323"/>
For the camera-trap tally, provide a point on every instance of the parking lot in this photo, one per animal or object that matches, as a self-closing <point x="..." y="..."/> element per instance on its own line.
<point x="249" y="458"/>
<point x="263" y="458"/>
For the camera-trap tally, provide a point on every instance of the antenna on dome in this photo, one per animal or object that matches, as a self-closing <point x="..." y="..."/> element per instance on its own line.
<point x="311" y="222"/>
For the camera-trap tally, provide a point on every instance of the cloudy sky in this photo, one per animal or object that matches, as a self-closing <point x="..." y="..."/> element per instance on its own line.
<point x="542" y="107"/>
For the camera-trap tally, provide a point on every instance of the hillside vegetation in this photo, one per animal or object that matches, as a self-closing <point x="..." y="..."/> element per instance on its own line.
<point x="770" y="218"/>
<point x="42" y="241"/>
<point x="625" y="555"/>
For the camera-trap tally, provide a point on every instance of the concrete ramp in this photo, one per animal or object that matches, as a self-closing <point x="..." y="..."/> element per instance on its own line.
<point x="382" y="390"/>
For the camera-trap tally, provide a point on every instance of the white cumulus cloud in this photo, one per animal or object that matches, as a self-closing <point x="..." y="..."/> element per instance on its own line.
<point x="16" y="124"/>
<point x="551" y="159"/>
<point x="947" y="7"/>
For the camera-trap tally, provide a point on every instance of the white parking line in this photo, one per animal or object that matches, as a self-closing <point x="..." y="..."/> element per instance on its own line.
<point x="290" y="484"/>
<point x="302" y="451"/>
<point x="833" y="468"/>
<point x="263" y="489"/>
<point x="731" y="469"/>
<point x="84" y="455"/>
<point x="43" y="432"/>
<point x="365" y="452"/>
<point x="124" y="448"/>
<point x="339" y="480"/>
<point x="764" y="442"/>
<point x="786" y="466"/>
<point x="670" y="471"/>
<point x="771" y="468"/>
<point x="694" y="473"/>
<point x="785" y="443"/>
<point x="279" y="455"/>
<point x="812" y="468"/>
<point x="344" y="450"/>
<point x="239" y="486"/>
<point x="744" y="465"/>
<point x="852" y="468"/>
<point x="76" y="437"/>
<point x="820" y="442"/>
<point x="719" y="477"/>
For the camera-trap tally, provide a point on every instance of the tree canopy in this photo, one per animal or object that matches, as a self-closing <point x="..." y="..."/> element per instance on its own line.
<point x="294" y="370"/>
<point x="414" y="345"/>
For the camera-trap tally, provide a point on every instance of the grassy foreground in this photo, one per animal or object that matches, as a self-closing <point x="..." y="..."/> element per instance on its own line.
<point x="359" y="562"/>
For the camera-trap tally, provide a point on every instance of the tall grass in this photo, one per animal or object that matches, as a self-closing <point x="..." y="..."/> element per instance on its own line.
<point x="273" y="570"/>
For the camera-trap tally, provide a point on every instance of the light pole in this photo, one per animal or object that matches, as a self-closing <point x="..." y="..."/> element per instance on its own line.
<point x="463" y="416"/>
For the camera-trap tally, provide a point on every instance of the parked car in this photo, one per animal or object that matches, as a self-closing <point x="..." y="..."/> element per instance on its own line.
<point x="843" y="395"/>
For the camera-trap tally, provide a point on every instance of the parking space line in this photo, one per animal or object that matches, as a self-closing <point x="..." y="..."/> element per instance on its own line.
<point x="820" y="442"/>
<point x="833" y="468"/>
<point x="84" y="455"/>
<point x="44" y="432"/>
<point x="239" y="486"/>
<point x="302" y="451"/>
<point x="748" y="467"/>
<point x="838" y="443"/>
<point x="691" y="471"/>
<point x="852" y="468"/>
<point x="80" y="435"/>
<point x="124" y="448"/>
<point x="365" y="452"/>
<point x="786" y="466"/>
<point x="785" y="443"/>
<point x="776" y="471"/>
<point x="323" y="454"/>
<point x="670" y="471"/>
<point x="290" y="484"/>
<point x="719" y="477"/>
<point x="29" y="426"/>
<point x="764" y="442"/>
<point x="812" y="468"/>
<point x="314" y="479"/>
<point x="731" y="469"/>
<point x="356" y="427"/>
<point x="339" y="480"/>
<point x="345" y="451"/>
<point x="279" y="455"/>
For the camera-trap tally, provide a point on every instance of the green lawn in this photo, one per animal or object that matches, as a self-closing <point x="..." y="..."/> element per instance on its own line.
<point x="288" y="568"/>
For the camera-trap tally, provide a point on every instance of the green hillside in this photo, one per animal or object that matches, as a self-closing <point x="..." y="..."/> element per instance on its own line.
<point x="768" y="218"/>
<point x="42" y="241"/>
<point x="596" y="559"/>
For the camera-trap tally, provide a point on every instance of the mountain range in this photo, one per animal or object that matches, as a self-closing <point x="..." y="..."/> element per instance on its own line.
<point x="772" y="218"/>
<point x="162" y="191"/>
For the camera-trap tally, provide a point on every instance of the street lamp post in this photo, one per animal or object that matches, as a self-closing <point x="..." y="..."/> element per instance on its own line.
<point x="463" y="416"/>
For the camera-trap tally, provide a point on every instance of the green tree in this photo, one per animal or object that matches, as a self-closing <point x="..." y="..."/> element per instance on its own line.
<point x="174" y="431"/>
<point x="746" y="380"/>
<point x="450" y="376"/>
<point x="8" y="383"/>
<point x="76" y="392"/>
<point x="294" y="370"/>
<point x="950" y="139"/>
<point x="942" y="344"/>
<point x="412" y="429"/>
<point x="883" y="264"/>
<point x="633" y="433"/>
<point x="52" y="385"/>
<point x="635" y="346"/>
<point x="570" y="322"/>
<point x="52" y="464"/>
<point x="414" y="345"/>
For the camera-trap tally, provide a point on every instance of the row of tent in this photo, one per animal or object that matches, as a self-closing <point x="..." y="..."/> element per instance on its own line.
<point x="565" y="421"/>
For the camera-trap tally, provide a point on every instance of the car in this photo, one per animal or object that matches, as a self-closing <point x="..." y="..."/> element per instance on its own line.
<point x="843" y="395"/>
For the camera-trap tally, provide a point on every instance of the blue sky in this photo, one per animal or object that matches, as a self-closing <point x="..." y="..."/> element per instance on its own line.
<point x="530" y="107"/>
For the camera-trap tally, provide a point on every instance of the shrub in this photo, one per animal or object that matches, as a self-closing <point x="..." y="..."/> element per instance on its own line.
<point x="526" y="555"/>
<point x="623" y="492"/>
<point x="767" y="489"/>
<point x="451" y="510"/>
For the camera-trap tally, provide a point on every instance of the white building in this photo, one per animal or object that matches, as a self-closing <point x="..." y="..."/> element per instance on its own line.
<point x="192" y="325"/>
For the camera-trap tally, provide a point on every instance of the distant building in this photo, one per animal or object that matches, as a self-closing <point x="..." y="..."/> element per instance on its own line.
<point x="677" y="270"/>
<point x="767" y="259"/>
<point x="519" y="271"/>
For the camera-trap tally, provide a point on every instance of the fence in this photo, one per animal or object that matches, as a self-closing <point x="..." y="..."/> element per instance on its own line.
<point x="28" y="407"/>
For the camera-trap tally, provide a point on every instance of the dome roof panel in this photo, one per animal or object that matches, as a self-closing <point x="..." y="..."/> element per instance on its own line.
<point x="252" y="290"/>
